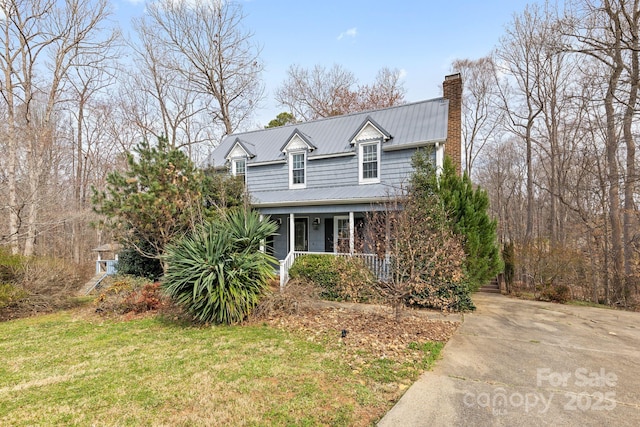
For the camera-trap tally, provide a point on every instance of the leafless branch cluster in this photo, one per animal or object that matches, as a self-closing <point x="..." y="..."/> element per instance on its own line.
<point x="553" y="139"/>
<point x="320" y="92"/>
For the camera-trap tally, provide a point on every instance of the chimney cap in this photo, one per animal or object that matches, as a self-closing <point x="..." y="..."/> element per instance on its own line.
<point x="453" y="76"/>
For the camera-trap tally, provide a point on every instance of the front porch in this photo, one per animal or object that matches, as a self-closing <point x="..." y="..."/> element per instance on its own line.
<point x="379" y="267"/>
<point x="317" y="232"/>
<point x="321" y="230"/>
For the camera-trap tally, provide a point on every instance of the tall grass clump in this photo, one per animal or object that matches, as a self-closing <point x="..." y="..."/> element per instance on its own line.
<point x="218" y="273"/>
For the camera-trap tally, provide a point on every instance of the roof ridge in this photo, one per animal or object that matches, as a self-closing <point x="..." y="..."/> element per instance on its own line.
<point x="408" y="104"/>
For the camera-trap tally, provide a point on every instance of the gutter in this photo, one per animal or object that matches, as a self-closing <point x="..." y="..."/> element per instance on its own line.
<point x="321" y="202"/>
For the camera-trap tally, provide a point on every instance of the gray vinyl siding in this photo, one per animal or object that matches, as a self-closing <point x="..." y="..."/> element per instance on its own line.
<point x="332" y="172"/>
<point x="280" y="239"/>
<point x="395" y="167"/>
<point x="395" y="171"/>
<point x="268" y="177"/>
<point x="316" y="236"/>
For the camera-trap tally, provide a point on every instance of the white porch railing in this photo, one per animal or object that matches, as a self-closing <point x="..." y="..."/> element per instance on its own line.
<point x="107" y="266"/>
<point x="379" y="267"/>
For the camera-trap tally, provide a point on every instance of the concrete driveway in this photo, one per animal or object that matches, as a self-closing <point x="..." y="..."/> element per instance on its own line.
<point x="529" y="363"/>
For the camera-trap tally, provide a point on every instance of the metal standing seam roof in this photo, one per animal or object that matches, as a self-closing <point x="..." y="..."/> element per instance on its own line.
<point x="370" y="193"/>
<point x="416" y="123"/>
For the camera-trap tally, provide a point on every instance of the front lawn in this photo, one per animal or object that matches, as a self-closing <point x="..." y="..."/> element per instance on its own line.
<point x="77" y="368"/>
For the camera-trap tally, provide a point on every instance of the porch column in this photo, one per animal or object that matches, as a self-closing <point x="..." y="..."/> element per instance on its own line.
<point x="439" y="159"/>
<point x="352" y="242"/>
<point x="262" y="241"/>
<point x="292" y="236"/>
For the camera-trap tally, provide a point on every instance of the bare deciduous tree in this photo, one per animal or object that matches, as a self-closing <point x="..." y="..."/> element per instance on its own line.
<point x="608" y="31"/>
<point x="322" y="92"/>
<point x="521" y="55"/>
<point x="161" y="103"/>
<point x="43" y="40"/>
<point x="481" y="115"/>
<point x="214" y="55"/>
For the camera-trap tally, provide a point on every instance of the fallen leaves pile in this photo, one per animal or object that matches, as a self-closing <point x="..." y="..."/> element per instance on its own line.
<point x="376" y="332"/>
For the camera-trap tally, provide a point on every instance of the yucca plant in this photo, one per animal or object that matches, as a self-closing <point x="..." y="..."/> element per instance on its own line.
<point x="218" y="272"/>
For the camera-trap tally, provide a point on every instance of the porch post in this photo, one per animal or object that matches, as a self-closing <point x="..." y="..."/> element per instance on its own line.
<point x="292" y="236"/>
<point x="262" y="241"/>
<point x="439" y="159"/>
<point x="352" y="243"/>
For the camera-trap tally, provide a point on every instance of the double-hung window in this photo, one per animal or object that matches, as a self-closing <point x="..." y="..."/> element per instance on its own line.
<point x="239" y="168"/>
<point x="369" y="155"/>
<point x="297" y="170"/>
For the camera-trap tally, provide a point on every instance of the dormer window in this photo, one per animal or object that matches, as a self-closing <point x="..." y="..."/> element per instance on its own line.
<point x="238" y="155"/>
<point x="296" y="148"/>
<point x="298" y="170"/>
<point x="369" y="162"/>
<point x="368" y="138"/>
<point x="239" y="167"/>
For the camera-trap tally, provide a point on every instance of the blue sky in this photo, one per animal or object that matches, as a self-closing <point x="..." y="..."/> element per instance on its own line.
<point x="420" y="37"/>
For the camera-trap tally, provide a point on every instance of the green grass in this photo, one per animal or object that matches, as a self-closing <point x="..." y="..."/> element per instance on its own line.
<point x="72" y="368"/>
<point x="587" y="304"/>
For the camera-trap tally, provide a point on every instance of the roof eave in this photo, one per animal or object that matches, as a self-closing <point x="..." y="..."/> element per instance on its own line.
<point x="416" y="144"/>
<point x="321" y="202"/>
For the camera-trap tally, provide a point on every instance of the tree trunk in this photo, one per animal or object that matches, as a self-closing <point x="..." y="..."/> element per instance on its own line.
<point x="12" y="161"/>
<point x="614" y="186"/>
<point x="631" y="177"/>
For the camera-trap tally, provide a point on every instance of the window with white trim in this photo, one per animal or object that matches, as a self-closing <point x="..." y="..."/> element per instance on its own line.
<point x="298" y="170"/>
<point x="369" y="164"/>
<point x="239" y="167"/>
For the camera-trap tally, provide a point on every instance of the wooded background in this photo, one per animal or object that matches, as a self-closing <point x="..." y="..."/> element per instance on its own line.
<point x="550" y="122"/>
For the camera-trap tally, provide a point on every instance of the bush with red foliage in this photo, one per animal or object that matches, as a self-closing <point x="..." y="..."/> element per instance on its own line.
<point x="145" y="299"/>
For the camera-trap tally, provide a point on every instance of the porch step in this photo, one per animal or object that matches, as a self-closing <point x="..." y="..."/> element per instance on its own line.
<point x="92" y="284"/>
<point x="492" y="288"/>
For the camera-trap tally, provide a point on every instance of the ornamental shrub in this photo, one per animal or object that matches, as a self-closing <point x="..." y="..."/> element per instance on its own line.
<point x="217" y="273"/>
<point x="132" y="262"/>
<point x="318" y="269"/>
<point x="554" y="293"/>
<point x="338" y="278"/>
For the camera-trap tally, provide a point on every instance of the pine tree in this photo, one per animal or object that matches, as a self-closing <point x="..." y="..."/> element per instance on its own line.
<point x="467" y="210"/>
<point x="158" y="198"/>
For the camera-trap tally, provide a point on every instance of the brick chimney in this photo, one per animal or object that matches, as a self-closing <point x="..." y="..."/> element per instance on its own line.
<point x="452" y="90"/>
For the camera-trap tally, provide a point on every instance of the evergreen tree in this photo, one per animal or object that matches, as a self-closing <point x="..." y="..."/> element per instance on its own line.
<point x="282" y="119"/>
<point x="467" y="210"/>
<point x="426" y="257"/>
<point x="158" y="198"/>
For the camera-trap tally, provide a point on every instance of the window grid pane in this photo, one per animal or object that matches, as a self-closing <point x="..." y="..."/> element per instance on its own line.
<point x="370" y="170"/>
<point x="369" y="153"/>
<point x="370" y="161"/>
<point x="240" y="167"/>
<point x="297" y="168"/>
<point x="342" y="235"/>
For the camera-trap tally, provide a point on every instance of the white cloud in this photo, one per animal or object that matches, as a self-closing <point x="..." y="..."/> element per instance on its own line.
<point x="403" y="73"/>
<point x="351" y="32"/>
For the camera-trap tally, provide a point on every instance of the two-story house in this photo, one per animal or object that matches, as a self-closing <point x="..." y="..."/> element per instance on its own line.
<point x="319" y="179"/>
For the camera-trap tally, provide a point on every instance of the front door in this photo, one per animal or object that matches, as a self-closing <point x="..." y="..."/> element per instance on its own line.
<point x="328" y="234"/>
<point x="301" y="234"/>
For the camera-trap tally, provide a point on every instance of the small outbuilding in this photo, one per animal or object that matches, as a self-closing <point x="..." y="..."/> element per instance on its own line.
<point x="107" y="258"/>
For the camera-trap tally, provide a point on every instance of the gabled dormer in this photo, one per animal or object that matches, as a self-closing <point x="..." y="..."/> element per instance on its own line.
<point x="369" y="130"/>
<point x="297" y="141"/>
<point x="296" y="149"/>
<point x="238" y="155"/>
<point x="367" y="140"/>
